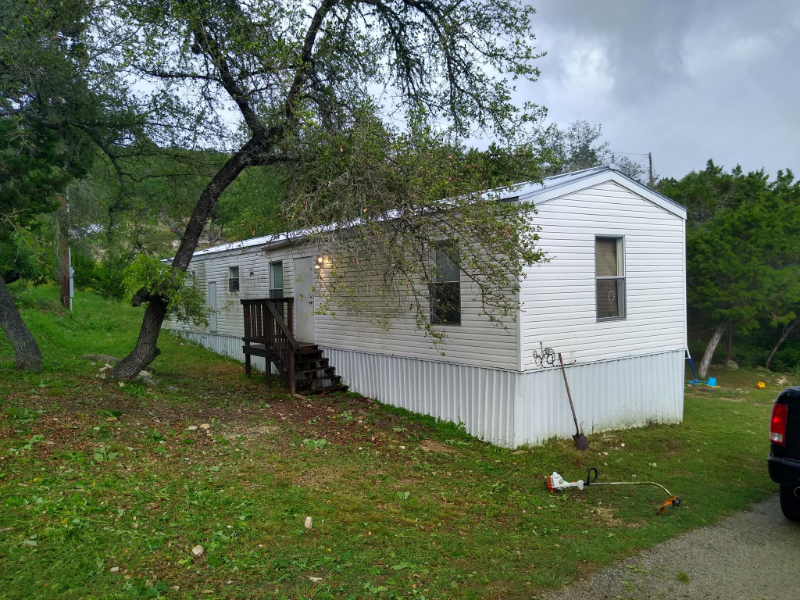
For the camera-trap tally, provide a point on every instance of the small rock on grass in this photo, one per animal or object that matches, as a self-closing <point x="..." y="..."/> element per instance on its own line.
<point x="192" y="428"/>
<point x="147" y="379"/>
<point x="198" y="550"/>
<point x="309" y="523"/>
<point x="205" y="426"/>
<point x="114" y="569"/>
<point x="107" y="359"/>
<point x="103" y="358"/>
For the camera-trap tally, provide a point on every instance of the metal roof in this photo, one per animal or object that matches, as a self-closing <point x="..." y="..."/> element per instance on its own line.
<point x="521" y="191"/>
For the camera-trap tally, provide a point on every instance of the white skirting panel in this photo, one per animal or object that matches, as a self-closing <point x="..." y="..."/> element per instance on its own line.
<point x="480" y="398"/>
<point x="226" y="345"/>
<point x="512" y="409"/>
<point x="507" y="408"/>
<point x="614" y="394"/>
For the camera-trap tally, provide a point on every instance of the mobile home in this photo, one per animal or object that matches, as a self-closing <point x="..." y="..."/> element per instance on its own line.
<point x="611" y="300"/>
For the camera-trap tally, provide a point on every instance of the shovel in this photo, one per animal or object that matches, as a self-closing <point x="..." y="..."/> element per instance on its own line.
<point x="581" y="443"/>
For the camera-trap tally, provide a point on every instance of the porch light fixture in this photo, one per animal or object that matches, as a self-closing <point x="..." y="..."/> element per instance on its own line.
<point x="322" y="261"/>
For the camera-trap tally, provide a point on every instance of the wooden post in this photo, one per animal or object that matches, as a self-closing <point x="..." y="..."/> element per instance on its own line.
<point x="247" y="335"/>
<point x="290" y="371"/>
<point x="269" y="340"/>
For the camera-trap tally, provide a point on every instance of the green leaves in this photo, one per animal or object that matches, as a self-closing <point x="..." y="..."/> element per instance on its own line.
<point x="103" y="454"/>
<point x="742" y="249"/>
<point x="395" y="194"/>
<point x="184" y="300"/>
<point x="315" y="444"/>
<point x="29" y="445"/>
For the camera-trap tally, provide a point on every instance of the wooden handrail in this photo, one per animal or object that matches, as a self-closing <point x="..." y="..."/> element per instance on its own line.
<point x="279" y="320"/>
<point x="264" y="324"/>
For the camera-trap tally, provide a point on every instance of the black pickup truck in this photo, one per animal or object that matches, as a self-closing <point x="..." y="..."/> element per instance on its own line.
<point x="784" y="457"/>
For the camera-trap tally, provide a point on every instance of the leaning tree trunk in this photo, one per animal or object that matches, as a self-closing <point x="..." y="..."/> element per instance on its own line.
<point x="146" y="349"/>
<point x="28" y="355"/>
<point x="786" y="333"/>
<point x="712" y="345"/>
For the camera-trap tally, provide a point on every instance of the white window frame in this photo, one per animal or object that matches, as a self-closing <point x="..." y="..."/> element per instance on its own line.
<point x="621" y="276"/>
<point x="231" y="279"/>
<point x="272" y="287"/>
<point x="435" y="318"/>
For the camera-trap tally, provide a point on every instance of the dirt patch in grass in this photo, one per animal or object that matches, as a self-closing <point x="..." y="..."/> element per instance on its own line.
<point x="434" y="446"/>
<point x="606" y="516"/>
<point x="318" y="479"/>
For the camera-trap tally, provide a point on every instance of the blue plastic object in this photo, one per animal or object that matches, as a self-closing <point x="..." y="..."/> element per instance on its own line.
<point x="712" y="382"/>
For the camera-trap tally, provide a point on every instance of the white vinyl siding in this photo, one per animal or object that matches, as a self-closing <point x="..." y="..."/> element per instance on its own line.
<point x="476" y="341"/>
<point x="254" y="282"/>
<point x="559" y="297"/>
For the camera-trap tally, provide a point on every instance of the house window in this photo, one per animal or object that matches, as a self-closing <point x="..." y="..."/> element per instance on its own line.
<point x="233" y="279"/>
<point x="446" y="285"/>
<point x="276" y="279"/>
<point x="610" y="277"/>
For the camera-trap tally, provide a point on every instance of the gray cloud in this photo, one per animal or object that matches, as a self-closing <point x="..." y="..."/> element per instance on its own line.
<point x="687" y="80"/>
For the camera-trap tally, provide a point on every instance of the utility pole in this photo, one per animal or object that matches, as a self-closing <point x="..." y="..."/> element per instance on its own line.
<point x="650" y="156"/>
<point x="65" y="257"/>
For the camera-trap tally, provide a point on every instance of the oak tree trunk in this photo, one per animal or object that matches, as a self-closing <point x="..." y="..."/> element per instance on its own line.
<point x="712" y="346"/>
<point x="27" y="353"/>
<point x="146" y="349"/>
<point x="786" y="333"/>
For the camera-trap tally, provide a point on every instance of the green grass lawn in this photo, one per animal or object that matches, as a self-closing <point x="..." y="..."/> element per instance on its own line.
<point x="105" y="489"/>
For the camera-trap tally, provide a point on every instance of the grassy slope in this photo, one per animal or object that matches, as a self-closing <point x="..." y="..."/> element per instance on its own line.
<point x="95" y="476"/>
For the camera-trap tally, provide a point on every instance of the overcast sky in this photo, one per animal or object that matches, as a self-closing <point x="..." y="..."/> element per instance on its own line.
<point x="688" y="80"/>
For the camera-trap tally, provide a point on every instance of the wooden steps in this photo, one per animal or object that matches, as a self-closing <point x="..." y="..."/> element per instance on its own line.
<point x="300" y="364"/>
<point x="313" y="373"/>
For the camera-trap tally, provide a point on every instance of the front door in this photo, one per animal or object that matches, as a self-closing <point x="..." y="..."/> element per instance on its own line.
<point x="305" y="280"/>
<point x="212" y="305"/>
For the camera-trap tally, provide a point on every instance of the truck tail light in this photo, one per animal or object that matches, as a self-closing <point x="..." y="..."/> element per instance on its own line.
<point x="777" y="423"/>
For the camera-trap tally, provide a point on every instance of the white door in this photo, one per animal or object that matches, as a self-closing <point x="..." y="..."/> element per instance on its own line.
<point x="305" y="279"/>
<point x="212" y="305"/>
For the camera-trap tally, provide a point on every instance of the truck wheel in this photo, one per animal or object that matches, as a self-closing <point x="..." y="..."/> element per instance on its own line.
<point x="790" y="503"/>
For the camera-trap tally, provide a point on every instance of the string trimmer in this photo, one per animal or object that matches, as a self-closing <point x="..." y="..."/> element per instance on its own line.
<point x="556" y="483"/>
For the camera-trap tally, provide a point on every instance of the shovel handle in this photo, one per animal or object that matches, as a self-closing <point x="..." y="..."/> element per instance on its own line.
<point x="569" y="395"/>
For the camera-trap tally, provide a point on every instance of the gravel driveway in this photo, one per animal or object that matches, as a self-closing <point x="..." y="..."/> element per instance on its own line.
<point x="749" y="556"/>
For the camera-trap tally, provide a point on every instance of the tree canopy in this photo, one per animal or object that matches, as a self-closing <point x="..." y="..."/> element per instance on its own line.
<point x="293" y="87"/>
<point x="743" y="251"/>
